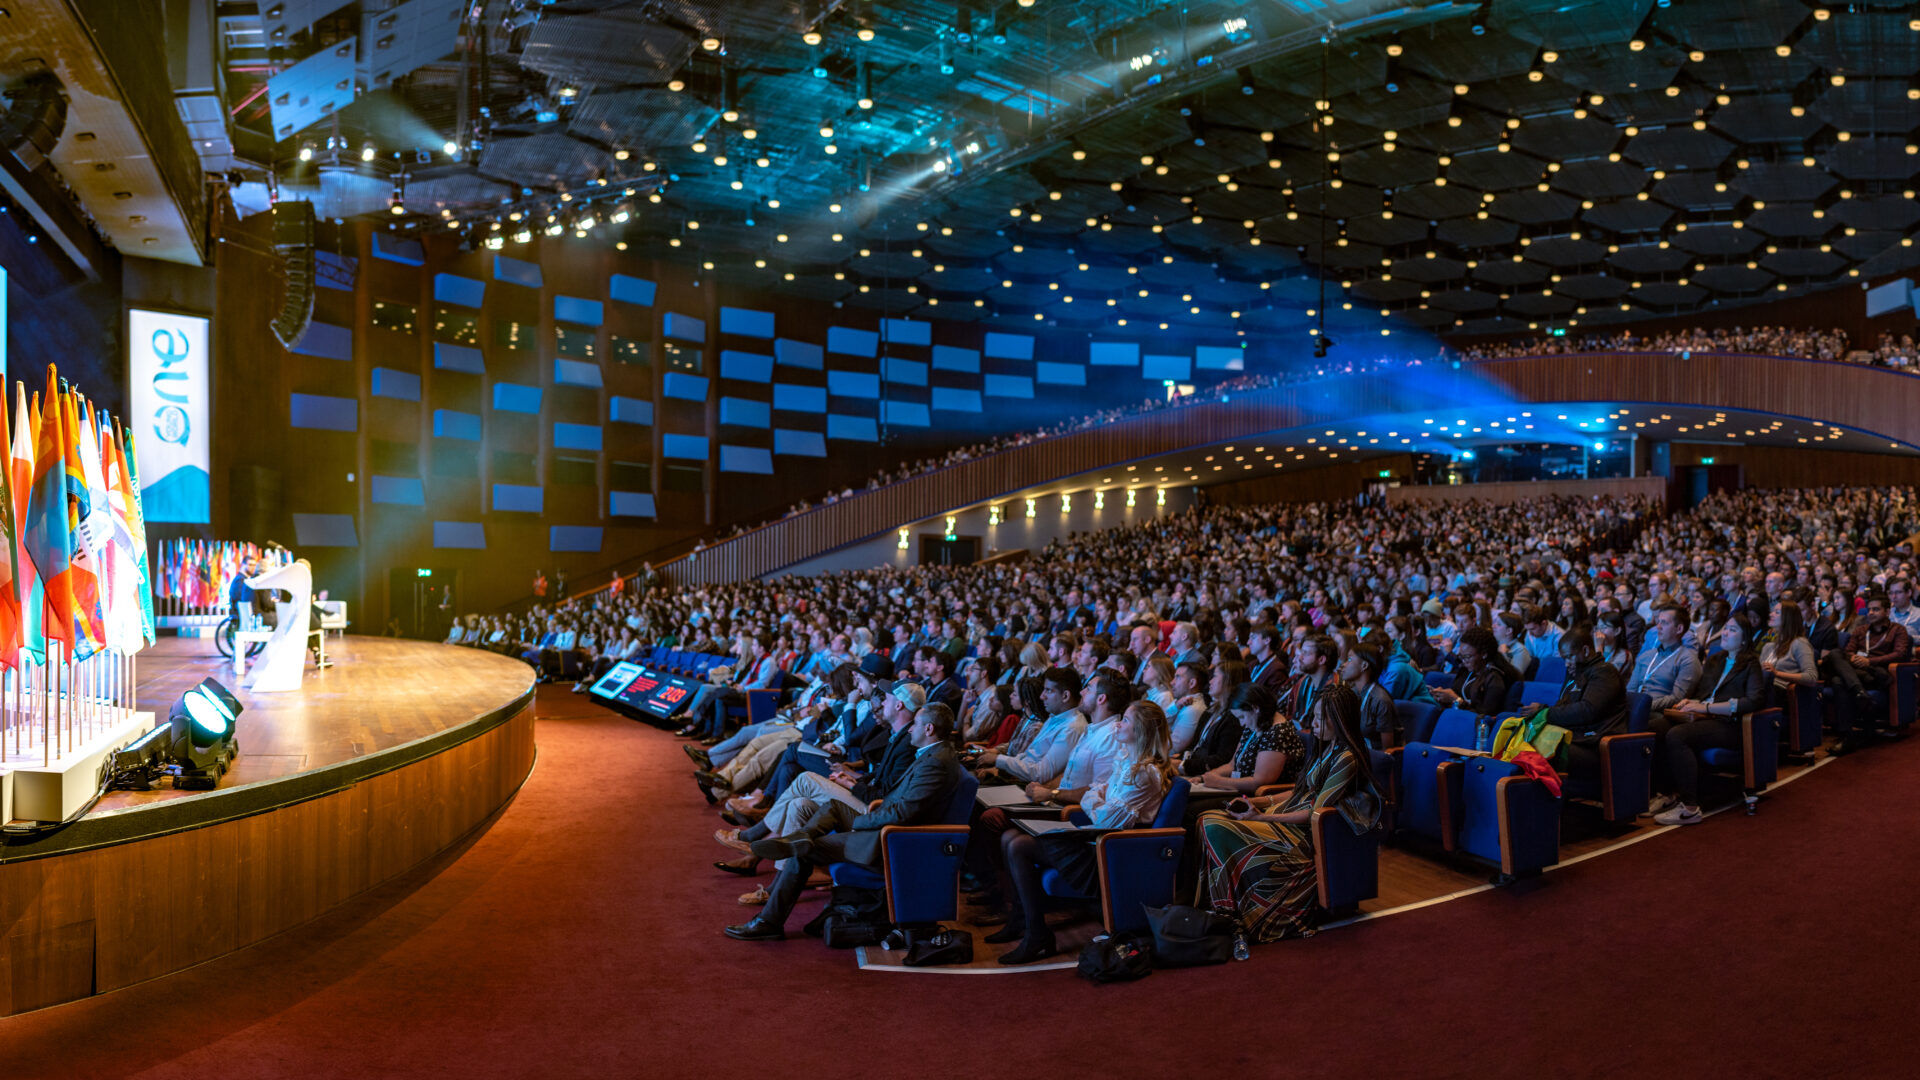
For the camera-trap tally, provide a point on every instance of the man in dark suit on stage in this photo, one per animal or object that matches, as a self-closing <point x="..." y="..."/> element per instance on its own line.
<point x="836" y="833"/>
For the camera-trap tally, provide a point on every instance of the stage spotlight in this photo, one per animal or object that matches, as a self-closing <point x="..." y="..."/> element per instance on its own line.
<point x="195" y="745"/>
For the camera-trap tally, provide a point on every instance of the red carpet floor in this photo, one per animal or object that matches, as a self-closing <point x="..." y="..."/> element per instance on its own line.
<point x="580" y="936"/>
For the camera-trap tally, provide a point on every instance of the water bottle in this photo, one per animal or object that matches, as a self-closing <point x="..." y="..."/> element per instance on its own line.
<point x="1483" y="736"/>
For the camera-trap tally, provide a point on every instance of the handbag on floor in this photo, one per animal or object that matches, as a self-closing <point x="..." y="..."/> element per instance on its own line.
<point x="1189" y="937"/>
<point x="1110" y="959"/>
<point x="943" y="947"/>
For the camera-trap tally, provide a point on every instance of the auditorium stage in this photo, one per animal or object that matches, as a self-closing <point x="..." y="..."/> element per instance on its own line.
<point x="375" y="765"/>
<point x="379" y="694"/>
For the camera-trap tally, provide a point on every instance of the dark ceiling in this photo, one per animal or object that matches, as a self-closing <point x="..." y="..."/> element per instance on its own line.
<point x="1478" y="167"/>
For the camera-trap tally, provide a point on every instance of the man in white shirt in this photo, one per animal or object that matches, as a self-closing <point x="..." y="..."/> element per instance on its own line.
<point x="1046" y="756"/>
<point x="1190" y="707"/>
<point x="1097" y="753"/>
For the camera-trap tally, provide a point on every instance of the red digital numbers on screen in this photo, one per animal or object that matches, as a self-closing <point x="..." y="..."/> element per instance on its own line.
<point x="643" y="685"/>
<point x="672" y="695"/>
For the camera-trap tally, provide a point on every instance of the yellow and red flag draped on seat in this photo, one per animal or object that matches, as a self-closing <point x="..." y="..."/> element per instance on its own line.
<point x="88" y="524"/>
<point x="49" y="529"/>
<point x="33" y="596"/>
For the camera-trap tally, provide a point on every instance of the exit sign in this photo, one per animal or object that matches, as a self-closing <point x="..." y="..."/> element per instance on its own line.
<point x="423" y="572"/>
<point x="1706" y="461"/>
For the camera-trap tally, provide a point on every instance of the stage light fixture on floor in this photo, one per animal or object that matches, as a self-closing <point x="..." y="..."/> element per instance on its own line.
<point x="195" y="744"/>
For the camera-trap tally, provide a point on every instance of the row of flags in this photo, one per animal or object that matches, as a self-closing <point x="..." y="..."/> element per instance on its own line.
<point x="192" y="571"/>
<point x="73" y="561"/>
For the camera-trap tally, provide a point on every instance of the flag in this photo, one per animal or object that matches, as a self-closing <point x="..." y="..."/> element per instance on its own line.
<point x="9" y="579"/>
<point x="33" y="597"/>
<point x="89" y="521"/>
<point x="49" y="536"/>
<point x="123" y="573"/>
<point x="137" y="520"/>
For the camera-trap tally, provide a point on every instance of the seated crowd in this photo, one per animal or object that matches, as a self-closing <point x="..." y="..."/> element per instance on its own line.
<point x="1240" y="648"/>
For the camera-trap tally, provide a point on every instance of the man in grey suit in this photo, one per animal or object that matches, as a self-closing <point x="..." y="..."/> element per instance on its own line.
<point x="835" y="832"/>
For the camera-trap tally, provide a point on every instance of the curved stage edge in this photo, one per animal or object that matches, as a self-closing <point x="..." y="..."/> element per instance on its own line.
<point x="119" y="898"/>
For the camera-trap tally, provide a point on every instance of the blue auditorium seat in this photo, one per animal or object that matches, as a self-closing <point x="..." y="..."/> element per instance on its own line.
<point x="1348" y="865"/>
<point x="759" y="707"/>
<point x="1624" y="785"/>
<point x="919" y="864"/>
<point x="1534" y="692"/>
<point x="1550" y="669"/>
<point x="1440" y="680"/>
<point x="1137" y="866"/>
<point x="1416" y="721"/>
<point x="1805" y="707"/>
<point x="1756" y="763"/>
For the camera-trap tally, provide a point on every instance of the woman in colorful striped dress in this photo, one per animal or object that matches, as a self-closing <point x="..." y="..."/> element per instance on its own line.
<point x="1260" y="870"/>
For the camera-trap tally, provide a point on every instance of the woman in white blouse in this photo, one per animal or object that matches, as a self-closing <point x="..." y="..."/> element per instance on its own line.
<point x="1130" y="797"/>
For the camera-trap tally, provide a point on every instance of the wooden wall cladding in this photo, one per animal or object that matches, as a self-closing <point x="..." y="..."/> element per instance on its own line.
<point x="98" y="920"/>
<point x="1853" y="396"/>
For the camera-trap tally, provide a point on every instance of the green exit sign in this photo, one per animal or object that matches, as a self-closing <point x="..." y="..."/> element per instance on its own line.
<point x="1384" y="473"/>
<point x="1706" y="461"/>
<point x="423" y="572"/>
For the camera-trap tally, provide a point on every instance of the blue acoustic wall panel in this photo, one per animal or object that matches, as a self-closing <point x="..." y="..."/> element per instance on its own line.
<point x="1010" y="386"/>
<point x="573" y="537"/>
<point x="906" y="413"/>
<point x="951" y="400"/>
<point x="683" y="327"/>
<point x="1177" y="368"/>
<point x="684" y="447"/>
<point x="327" y="340"/>
<point x="518" y="498"/>
<point x="905" y="372"/>
<point x="799" y="443"/>
<point x="332" y="271"/>
<point x="745" y="413"/>
<point x="1113" y="354"/>
<point x="948" y="358"/>
<point x="517" y="272"/>
<point x="577" y="310"/>
<point x="399" y="490"/>
<point x="576" y="437"/>
<point x="576" y="373"/>
<point x="908" y="332"/>
<point x="859" y="428"/>
<point x="401" y="249"/>
<point x="799" y="398"/>
<point x="1051" y="374"/>
<point x="800" y="354"/>
<point x="448" y="424"/>
<point x="399" y="385"/>
<point x="513" y="397"/>
<point x="1010" y="346"/>
<point x="458" y="358"/>
<point x="853" y="384"/>
<point x="630" y="503"/>
<point x="745" y="366"/>
<point x="325" y="530"/>
<point x="630" y="290"/>
<point x="746" y="322"/>
<point x="464" y="291"/>
<point x="325" y="413"/>
<point x="849" y="342"/>
<point x="1219" y="358"/>
<point x="626" y="410"/>
<point x="745" y="459"/>
<point x="470" y="535"/>
<point x="679" y="384"/>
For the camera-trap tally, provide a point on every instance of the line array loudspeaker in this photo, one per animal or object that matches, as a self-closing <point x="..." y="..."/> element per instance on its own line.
<point x="293" y="240"/>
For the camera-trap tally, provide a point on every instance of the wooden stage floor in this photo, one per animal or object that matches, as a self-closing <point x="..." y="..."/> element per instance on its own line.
<point x="380" y="693"/>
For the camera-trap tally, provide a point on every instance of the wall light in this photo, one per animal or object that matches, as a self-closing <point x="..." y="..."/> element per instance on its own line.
<point x="1099" y="500"/>
<point x="1129" y="497"/>
<point x="1033" y="506"/>
<point x="903" y="539"/>
<point x="1162" y="501"/>
<point x="993" y="516"/>
<point x="1066" y="502"/>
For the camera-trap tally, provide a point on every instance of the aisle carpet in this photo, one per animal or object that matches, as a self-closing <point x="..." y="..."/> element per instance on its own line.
<point x="579" y="935"/>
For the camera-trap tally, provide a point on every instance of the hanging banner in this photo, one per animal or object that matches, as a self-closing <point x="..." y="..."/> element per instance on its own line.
<point x="169" y="391"/>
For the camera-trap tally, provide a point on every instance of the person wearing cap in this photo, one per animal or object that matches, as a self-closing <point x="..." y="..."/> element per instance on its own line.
<point x="842" y="784"/>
